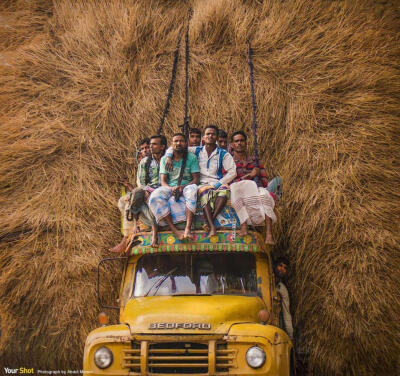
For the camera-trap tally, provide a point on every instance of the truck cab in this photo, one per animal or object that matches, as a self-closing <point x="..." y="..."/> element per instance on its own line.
<point x="207" y="307"/>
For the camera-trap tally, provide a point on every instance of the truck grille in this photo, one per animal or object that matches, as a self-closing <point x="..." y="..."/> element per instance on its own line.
<point x="224" y="358"/>
<point x="183" y="358"/>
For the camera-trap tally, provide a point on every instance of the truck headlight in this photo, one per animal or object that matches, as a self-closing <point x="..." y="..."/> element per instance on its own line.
<point x="103" y="357"/>
<point x="255" y="357"/>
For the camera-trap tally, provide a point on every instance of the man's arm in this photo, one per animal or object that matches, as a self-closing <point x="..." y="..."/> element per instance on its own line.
<point x="230" y="168"/>
<point x="141" y="174"/>
<point x="195" y="179"/>
<point x="169" y="153"/>
<point x="164" y="180"/>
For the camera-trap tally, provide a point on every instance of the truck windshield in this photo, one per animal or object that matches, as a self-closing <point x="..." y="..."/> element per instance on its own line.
<point x="196" y="274"/>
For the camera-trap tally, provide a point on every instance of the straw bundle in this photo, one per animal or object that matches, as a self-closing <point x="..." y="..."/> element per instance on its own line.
<point x="82" y="82"/>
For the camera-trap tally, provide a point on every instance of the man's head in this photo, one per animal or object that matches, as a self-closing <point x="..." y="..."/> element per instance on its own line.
<point x="194" y="137"/>
<point x="222" y="139"/>
<point x="281" y="267"/>
<point x="144" y="148"/>
<point x="210" y="134"/>
<point x="158" y="144"/>
<point x="239" y="141"/>
<point x="179" y="143"/>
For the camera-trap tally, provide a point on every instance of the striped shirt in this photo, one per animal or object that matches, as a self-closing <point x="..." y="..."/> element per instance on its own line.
<point x="245" y="167"/>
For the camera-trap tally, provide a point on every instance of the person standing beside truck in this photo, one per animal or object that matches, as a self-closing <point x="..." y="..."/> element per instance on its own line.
<point x="133" y="205"/>
<point x="281" y="270"/>
<point x="175" y="201"/>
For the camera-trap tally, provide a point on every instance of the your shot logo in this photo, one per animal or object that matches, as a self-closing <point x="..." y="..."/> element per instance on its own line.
<point x="20" y="370"/>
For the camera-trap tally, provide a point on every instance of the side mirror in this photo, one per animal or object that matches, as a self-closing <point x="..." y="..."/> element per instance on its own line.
<point x="98" y="279"/>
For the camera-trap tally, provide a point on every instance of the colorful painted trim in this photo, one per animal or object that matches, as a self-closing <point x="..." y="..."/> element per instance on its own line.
<point x="222" y="242"/>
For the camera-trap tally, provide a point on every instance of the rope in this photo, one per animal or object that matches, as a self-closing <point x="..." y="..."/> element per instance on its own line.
<point x="253" y="103"/>
<point x="172" y="83"/>
<point x="186" y="118"/>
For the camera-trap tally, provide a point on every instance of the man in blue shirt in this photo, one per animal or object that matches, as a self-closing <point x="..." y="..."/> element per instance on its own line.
<point x="175" y="200"/>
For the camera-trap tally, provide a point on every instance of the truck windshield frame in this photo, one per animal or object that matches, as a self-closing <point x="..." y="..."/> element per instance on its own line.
<point x="191" y="273"/>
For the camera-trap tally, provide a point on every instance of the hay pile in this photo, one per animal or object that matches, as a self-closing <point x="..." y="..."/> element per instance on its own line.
<point x="81" y="83"/>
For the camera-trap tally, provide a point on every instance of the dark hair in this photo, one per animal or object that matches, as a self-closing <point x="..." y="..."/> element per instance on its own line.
<point x="179" y="134"/>
<point x="195" y="131"/>
<point x="239" y="132"/>
<point x="282" y="260"/>
<point x="144" y="141"/>
<point x="163" y="139"/>
<point x="222" y="134"/>
<point x="164" y="142"/>
<point x="213" y="127"/>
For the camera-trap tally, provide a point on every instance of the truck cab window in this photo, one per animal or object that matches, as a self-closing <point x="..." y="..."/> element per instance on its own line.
<point x="196" y="274"/>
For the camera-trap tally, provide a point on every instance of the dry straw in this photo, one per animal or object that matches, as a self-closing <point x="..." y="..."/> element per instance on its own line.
<point x="82" y="82"/>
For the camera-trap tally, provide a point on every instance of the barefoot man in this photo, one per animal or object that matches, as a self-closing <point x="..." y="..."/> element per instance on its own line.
<point x="175" y="200"/>
<point x="250" y="195"/>
<point x="133" y="205"/>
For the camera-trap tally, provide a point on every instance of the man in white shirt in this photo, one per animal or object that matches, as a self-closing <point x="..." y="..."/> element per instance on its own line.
<point x="281" y="267"/>
<point x="217" y="170"/>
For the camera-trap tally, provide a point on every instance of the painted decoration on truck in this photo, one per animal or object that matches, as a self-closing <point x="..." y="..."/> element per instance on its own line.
<point x="223" y="241"/>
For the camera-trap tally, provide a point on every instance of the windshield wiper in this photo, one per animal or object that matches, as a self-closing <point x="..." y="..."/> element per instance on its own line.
<point x="158" y="284"/>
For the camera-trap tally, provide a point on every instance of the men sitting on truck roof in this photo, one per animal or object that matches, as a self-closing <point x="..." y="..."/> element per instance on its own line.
<point x="175" y="201"/>
<point x="133" y="205"/>
<point x="281" y="270"/>
<point x="194" y="137"/>
<point x="217" y="169"/>
<point x="252" y="201"/>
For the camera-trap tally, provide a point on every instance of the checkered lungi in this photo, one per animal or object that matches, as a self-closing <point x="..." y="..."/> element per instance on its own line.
<point x="162" y="202"/>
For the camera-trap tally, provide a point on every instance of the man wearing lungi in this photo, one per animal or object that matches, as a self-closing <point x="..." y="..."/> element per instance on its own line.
<point x="217" y="169"/>
<point x="175" y="200"/>
<point x="252" y="196"/>
<point x="133" y="205"/>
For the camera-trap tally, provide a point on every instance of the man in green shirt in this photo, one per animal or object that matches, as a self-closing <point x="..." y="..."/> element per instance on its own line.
<point x="133" y="205"/>
<point x="175" y="201"/>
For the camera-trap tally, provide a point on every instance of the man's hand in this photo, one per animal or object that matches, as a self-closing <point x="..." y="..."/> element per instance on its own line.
<point x="250" y="176"/>
<point x="126" y="183"/>
<point x="177" y="188"/>
<point x="168" y="163"/>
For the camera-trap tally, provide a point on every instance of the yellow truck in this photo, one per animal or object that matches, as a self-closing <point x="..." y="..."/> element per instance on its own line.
<point x="205" y="307"/>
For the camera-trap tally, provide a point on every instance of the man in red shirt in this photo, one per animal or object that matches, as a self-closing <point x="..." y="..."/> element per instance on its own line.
<point x="252" y="201"/>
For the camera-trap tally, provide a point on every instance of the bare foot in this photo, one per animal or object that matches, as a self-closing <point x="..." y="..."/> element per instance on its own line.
<point x="188" y="235"/>
<point x="213" y="231"/>
<point x="206" y="227"/>
<point x="154" y="240"/>
<point x="119" y="247"/>
<point x="179" y="235"/>
<point x="243" y="229"/>
<point x="269" y="240"/>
